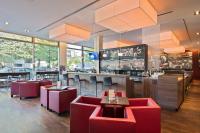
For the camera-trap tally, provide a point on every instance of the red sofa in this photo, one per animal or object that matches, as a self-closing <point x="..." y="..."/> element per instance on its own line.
<point x="147" y="115"/>
<point x="59" y="101"/>
<point x="117" y="93"/>
<point x="100" y="124"/>
<point x="29" y="89"/>
<point x="80" y="110"/>
<point x="15" y="87"/>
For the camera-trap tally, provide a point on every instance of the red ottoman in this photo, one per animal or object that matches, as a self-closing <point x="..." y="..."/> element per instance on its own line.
<point x="59" y="101"/>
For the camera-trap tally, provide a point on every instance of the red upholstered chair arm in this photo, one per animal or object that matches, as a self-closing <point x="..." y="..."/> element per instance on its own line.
<point x="148" y="115"/>
<point x="79" y="116"/>
<point x="138" y="101"/>
<point x="87" y="100"/>
<point x="99" y="124"/>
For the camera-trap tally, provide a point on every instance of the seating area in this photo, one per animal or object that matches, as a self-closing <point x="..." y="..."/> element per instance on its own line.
<point x="138" y="113"/>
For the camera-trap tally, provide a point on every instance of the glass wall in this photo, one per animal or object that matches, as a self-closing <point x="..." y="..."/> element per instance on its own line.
<point x="74" y="58"/>
<point x="88" y="64"/>
<point x="18" y="53"/>
<point x="15" y="56"/>
<point x="78" y="58"/>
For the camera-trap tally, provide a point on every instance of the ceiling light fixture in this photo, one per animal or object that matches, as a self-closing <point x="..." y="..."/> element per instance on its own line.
<point x="175" y="50"/>
<point x="197" y="33"/>
<point x="27" y="30"/>
<point x="168" y="40"/>
<point x="126" y="15"/>
<point x="69" y="33"/>
<point x="6" y="23"/>
<point x="197" y="12"/>
<point x="118" y="44"/>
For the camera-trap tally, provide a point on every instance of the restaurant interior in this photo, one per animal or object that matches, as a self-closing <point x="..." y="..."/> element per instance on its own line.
<point x="100" y="66"/>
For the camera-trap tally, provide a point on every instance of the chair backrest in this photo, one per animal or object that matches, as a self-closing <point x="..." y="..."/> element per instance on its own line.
<point x="93" y="79"/>
<point x="76" y="78"/>
<point x="107" y="81"/>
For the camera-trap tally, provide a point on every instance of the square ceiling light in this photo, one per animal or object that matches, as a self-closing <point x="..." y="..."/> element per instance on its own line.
<point x="118" y="44"/>
<point x="126" y="15"/>
<point x="168" y="40"/>
<point x="69" y="33"/>
<point x="175" y="50"/>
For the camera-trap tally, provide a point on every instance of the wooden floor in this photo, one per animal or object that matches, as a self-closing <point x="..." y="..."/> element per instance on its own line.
<point x="27" y="116"/>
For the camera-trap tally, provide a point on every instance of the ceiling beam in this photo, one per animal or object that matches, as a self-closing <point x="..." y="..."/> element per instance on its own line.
<point x="186" y="28"/>
<point x="68" y="15"/>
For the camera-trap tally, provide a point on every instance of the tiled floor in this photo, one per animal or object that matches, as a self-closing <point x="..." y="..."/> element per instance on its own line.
<point x="27" y="116"/>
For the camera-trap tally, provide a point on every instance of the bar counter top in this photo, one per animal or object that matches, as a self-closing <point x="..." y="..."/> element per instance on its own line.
<point x="98" y="74"/>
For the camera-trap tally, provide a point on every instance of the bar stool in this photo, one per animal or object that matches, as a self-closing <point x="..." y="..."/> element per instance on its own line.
<point x="78" y="80"/>
<point x="93" y="80"/>
<point x="107" y="81"/>
<point x="66" y="77"/>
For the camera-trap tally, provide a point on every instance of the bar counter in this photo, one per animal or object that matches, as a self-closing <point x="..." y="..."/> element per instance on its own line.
<point x="123" y="81"/>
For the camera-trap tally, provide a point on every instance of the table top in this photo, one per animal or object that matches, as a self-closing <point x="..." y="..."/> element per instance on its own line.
<point x="58" y="88"/>
<point x="122" y="101"/>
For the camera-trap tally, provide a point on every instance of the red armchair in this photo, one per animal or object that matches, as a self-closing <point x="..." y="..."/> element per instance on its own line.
<point x="29" y="89"/>
<point x="100" y="124"/>
<point x="80" y="110"/>
<point x="59" y="101"/>
<point x="117" y="93"/>
<point x="147" y="115"/>
<point x="43" y="95"/>
<point x="15" y="87"/>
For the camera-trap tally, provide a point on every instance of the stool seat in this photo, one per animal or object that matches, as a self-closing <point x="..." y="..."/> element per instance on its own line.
<point x="78" y="80"/>
<point x="107" y="81"/>
<point x="93" y="80"/>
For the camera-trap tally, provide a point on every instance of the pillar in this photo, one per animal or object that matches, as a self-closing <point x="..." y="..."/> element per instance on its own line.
<point x="98" y="45"/>
<point x="62" y="54"/>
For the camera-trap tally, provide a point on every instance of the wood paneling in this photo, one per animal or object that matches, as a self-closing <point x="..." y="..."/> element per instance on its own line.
<point x="170" y="91"/>
<point x="196" y="67"/>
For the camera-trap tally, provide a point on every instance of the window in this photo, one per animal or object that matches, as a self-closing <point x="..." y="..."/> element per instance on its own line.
<point x="46" y="57"/>
<point x="88" y="64"/>
<point x="78" y="58"/>
<point x="15" y="56"/>
<point x="74" y="59"/>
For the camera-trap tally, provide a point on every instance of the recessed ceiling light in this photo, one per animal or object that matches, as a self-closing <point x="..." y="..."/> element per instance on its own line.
<point x="197" y="12"/>
<point x="197" y="33"/>
<point x="6" y="23"/>
<point x="27" y="30"/>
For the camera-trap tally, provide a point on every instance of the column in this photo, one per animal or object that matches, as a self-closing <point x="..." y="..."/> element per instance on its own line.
<point x="98" y="45"/>
<point x="62" y="54"/>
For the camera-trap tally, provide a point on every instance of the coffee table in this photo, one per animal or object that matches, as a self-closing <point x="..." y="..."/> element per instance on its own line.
<point x="116" y="102"/>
